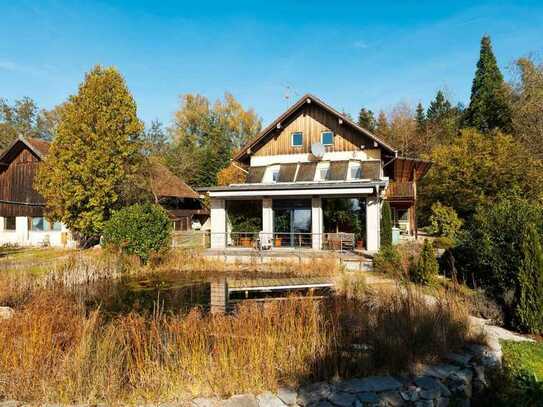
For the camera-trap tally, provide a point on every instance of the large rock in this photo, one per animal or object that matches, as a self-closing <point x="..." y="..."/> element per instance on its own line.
<point x="6" y="313"/>
<point x="268" y="399"/>
<point x="313" y="393"/>
<point x="203" y="402"/>
<point x="428" y="383"/>
<point x="342" y="399"/>
<point x="287" y="396"/>
<point x="241" y="400"/>
<point x="373" y="383"/>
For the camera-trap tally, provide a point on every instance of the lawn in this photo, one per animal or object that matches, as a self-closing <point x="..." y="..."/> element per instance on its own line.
<point x="526" y="356"/>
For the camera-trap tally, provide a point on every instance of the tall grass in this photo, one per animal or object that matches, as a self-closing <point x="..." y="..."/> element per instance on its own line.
<point x="54" y="350"/>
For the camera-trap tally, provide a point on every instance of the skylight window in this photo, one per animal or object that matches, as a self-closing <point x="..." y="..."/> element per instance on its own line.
<point x="297" y="139"/>
<point x="327" y="138"/>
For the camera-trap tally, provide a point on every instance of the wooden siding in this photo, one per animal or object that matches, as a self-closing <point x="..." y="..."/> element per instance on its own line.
<point x="16" y="179"/>
<point x="312" y="120"/>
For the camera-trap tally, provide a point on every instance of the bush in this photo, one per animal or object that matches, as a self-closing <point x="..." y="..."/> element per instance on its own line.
<point x="529" y="311"/>
<point x="388" y="261"/>
<point x="426" y="268"/>
<point x="386" y="225"/>
<point x="140" y="229"/>
<point x="492" y="254"/>
<point x="445" y="221"/>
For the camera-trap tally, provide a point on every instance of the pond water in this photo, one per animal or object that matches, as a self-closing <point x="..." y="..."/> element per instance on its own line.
<point x="179" y="292"/>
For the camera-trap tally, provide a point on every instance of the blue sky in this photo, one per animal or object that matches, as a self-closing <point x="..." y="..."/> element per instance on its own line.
<point x="351" y="54"/>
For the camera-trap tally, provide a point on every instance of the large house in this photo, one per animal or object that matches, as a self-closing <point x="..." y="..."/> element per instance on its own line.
<point x="22" y="208"/>
<point x="299" y="168"/>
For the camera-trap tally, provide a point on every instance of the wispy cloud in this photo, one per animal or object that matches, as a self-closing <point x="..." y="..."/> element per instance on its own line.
<point x="361" y="44"/>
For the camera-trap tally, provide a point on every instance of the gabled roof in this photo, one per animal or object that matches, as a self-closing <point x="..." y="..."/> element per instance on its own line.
<point x="308" y="98"/>
<point x="38" y="147"/>
<point x="165" y="184"/>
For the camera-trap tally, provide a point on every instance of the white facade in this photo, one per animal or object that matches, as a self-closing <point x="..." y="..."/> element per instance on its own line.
<point x="23" y="235"/>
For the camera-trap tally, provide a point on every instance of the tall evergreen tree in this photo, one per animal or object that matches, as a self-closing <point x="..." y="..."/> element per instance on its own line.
<point x="366" y="119"/>
<point x="386" y="225"/>
<point x="439" y="108"/>
<point x="420" y="118"/>
<point x="94" y="156"/>
<point x="529" y="310"/>
<point x="382" y="127"/>
<point x="489" y="106"/>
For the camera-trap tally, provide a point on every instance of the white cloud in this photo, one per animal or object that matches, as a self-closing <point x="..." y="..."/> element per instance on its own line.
<point x="361" y="44"/>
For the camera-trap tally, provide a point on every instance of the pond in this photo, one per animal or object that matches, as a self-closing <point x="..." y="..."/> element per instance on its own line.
<point x="179" y="292"/>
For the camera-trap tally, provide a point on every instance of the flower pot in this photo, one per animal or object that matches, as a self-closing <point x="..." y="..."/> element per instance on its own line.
<point x="246" y="241"/>
<point x="278" y="241"/>
<point x="360" y="244"/>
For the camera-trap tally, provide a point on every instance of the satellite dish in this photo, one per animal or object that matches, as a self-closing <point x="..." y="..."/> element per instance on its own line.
<point x="317" y="149"/>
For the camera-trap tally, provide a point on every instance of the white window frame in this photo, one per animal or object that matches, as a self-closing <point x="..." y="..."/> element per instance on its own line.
<point x="292" y="139"/>
<point x="352" y="166"/>
<point x="323" y="165"/>
<point x="322" y="136"/>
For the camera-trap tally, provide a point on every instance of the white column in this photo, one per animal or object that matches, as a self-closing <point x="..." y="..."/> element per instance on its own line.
<point x="316" y="222"/>
<point x="218" y="223"/>
<point x="2" y="223"/>
<point x="373" y="223"/>
<point x="267" y="217"/>
<point x="21" y="228"/>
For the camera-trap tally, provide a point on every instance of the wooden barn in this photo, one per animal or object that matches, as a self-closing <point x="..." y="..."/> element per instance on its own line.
<point x="22" y="217"/>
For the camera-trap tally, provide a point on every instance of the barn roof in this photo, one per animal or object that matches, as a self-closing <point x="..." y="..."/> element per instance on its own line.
<point x="38" y="147"/>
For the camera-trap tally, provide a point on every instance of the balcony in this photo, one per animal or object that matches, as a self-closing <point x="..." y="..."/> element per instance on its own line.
<point x="400" y="191"/>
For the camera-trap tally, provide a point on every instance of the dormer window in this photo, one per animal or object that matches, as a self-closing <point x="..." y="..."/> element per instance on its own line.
<point x="327" y="138"/>
<point x="297" y="139"/>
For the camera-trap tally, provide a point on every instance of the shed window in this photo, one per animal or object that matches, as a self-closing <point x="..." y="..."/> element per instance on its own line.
<point x="327" y="138"/>
<point x="9" y="223"/>
<point x="297" y="139"/>
<point x="41" y="224"/>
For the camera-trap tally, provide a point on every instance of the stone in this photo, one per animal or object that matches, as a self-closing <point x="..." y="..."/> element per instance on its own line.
<point x="379" y="384"/>
<point x="313" y="393"/>
<point x="241" y="400"/>
<point x="442" y="402"/>
<point x="480" y="373"/>
<point x="321" y="403"/>
<point x="460" y="359"/>
<point x="424" y="403"/>
<point x="342" y="399"/>
<point x="410" y="394"/>
<point x="428" y="383"/>
<point x="441" y="371"/>
<point x="391" y="398"/>
<point x="287" y="395"/>
<point x="368" y="397"/>
<point x="269" y="399"/>
<point x="10" y="403"/>
<point x="430" y="394"/>
<point x="464" y="375"/>
<point x="445" y="392"/>
<point x="6" y="313"/>
<point x="203" y="402"/>
<point x="465" y="390"/>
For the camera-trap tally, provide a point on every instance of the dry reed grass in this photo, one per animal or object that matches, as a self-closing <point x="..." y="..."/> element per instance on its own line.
<point x="53" y="350"/>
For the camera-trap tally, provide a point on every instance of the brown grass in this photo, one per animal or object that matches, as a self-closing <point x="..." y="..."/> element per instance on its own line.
<point x="54" y="350"/>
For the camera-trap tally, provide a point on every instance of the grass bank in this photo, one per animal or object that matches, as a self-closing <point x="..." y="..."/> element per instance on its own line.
<point x="54" y="350"/>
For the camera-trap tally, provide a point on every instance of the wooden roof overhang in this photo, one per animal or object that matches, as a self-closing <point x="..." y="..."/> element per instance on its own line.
<point x="253" y="145"/>
<point x="410" y="169"/>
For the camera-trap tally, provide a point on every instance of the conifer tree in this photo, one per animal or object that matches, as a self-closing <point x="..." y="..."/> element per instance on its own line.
<point x="529" y="311"/>
<point x="489" y="106"/>
<point x="439" y="108"/>
<point x="366" y="119"/>
<point x="386" y="225"/>
<point x="426" y="268"/>
<point x="382" y="127"/>
<point x="420" y="118"/>
<point x="94" y="155"/>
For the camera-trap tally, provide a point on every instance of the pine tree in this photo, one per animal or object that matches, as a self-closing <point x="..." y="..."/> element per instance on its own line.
<point x="94" y="155"/>
<point x="366" y="119"/>
<point x="529" y="310"/>
<point x="489" y="107"/>
<point x="439" y="108"/>
<point x="420" y="118"/>
<point x="426" y="268"/>
<point x="386" y="225"/>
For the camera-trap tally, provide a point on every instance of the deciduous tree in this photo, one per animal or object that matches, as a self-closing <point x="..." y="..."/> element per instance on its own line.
<point x="95" y="154"/>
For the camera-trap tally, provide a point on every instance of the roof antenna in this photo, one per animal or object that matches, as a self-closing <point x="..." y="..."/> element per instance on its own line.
<point x="289" y="93"/>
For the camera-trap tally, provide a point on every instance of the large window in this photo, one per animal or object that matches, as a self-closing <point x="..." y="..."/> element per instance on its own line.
<point x="297" y="139"/>
<point x="9" y="223"/>
<point x="41" y="224"/>
<point x="327" y="138"/>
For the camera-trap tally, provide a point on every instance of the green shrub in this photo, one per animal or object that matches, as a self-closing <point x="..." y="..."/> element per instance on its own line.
<point x="445" y="221"/>
<point x="386" y="225"/>
<point x="426" y="268"/>
<point x="140" y="229"/>
<point x="388" y="261"/>
<point x="529" y="310"/>
<point x="492" y="255"/>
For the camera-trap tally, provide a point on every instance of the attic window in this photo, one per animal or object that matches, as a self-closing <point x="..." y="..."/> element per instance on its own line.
<point x="327" y="138"/>
<point x="297" y="139"/>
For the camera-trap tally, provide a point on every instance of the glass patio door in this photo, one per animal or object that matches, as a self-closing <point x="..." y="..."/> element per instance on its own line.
<point x="292" y="222"/>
